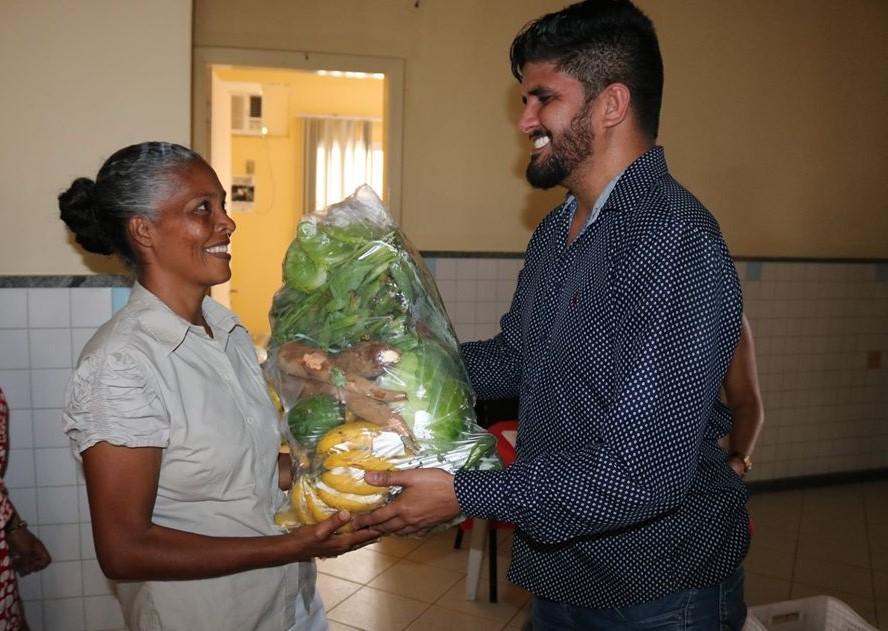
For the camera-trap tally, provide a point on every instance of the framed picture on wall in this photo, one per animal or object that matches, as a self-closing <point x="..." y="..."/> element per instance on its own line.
<point x="243" y="193"/>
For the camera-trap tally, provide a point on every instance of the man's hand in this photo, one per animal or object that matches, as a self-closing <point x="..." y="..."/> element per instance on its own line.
<point x="428" y="499"/>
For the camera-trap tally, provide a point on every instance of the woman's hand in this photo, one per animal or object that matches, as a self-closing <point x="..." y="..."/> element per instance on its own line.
<point x="323" y="541"/>
<point x="285" y="474"/>
<point x="26" y="551"/>
<point x="121" y="484"/>
<point x="737" y="464"/>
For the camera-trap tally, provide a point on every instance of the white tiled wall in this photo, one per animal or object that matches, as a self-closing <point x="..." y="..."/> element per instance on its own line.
<point x="476" y="291"/>
<point x="41" y="334"/>
<point x="816" y="326"/>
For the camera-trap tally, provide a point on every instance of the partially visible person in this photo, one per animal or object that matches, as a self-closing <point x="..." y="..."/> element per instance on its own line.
<point x="170" y="413"/>
<point x="20" y="550"/>
<point x="744" y="399"/>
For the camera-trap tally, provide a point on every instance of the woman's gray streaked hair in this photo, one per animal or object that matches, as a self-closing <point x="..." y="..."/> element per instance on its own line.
<point x="130" y="183"/>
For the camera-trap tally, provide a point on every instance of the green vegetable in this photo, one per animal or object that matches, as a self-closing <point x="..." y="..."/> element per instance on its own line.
<point x="345" y="284"/>
<point x="439" y="407"/>
<point x="301" y="271"/>
<point x="311" y="417"/>
<point x="337" y="377"/>
<point x="318" y="244"/>
<point x="350" y="276"/>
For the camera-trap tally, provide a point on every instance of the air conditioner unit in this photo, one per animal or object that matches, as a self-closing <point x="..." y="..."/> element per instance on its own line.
<point x="246" y="114"/>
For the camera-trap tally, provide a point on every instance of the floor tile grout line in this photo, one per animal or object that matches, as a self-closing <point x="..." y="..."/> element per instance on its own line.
<point x="869" y="550"/>
<point x="798" y="539"/>
<point x="368" y="586"/>
<point x="389" y="591"/>
<point x="436" y="602"/>
<point x="420" y="615"/>
<point x="515" y="617"/>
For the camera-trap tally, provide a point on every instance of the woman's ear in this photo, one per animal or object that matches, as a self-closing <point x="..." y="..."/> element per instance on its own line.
<point x="616" y="104"/>
<point x="140" y="232"/>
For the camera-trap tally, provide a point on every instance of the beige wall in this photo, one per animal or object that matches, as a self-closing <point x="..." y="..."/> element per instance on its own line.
<point x="774" y="112"/>
<point x="775" y="116"/>
<point x="80" y="80"/>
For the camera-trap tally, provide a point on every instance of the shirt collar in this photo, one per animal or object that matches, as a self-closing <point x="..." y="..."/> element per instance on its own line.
<point x="570" y="202"/>
<point x="624" y="190"/>
<point x="637" y="179"/>
<point x="170" y="329"/>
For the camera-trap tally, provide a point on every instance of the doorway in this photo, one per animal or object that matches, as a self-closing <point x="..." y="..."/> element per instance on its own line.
<point x="256" y="107"/>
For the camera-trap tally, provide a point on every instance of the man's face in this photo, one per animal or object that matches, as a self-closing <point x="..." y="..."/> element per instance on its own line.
<point x="556" y="119"/>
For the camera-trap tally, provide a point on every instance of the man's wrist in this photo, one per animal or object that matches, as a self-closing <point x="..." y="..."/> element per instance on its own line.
<point x="479" y="493"/>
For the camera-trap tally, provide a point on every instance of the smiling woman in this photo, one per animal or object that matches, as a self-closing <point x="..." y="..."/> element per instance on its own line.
<point x="169" y="412"/>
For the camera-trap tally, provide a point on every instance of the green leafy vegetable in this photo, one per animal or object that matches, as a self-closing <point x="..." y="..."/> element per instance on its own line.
<point x="342" y="286"/>
<point x="351" y="276"/>
<point x="311" y="417"/>
<point x="301" y="271"/>
<point x="439" y="407"/>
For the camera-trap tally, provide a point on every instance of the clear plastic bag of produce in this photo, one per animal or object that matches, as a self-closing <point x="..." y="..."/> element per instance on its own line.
<point x="365" y="363"/>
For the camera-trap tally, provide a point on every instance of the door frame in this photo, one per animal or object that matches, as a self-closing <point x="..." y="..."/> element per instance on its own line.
<point x="206" y="57"/>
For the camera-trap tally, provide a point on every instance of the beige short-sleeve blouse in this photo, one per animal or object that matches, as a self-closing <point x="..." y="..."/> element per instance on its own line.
<point x="150" y="378"/>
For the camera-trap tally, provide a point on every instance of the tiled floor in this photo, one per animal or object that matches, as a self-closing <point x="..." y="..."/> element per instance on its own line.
<point x="830" y="540"/>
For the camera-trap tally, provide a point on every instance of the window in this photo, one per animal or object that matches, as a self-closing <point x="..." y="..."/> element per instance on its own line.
<point x="341" y="154"/>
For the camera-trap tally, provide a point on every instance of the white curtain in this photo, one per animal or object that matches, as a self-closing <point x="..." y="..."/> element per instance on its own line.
<point x="339" y="157"/>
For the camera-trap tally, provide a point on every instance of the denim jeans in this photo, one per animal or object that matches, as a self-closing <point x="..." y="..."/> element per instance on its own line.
<point x="716" y="608"/>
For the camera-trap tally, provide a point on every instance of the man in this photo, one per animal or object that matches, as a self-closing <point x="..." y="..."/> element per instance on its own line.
<point x="623" y="324"/>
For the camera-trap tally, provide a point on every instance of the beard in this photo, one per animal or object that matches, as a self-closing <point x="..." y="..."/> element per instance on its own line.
<point x="566" y="153"/>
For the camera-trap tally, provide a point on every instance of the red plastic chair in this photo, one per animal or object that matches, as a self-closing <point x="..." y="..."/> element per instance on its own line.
<point x="506" y="450"/>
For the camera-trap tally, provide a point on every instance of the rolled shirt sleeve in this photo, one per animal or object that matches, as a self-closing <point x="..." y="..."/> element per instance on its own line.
<point x="111" y="398"/>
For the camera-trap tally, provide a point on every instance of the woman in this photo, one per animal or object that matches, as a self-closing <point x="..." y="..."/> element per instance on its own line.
<point x="20" y="550"/>
<point x="170" y="413"/>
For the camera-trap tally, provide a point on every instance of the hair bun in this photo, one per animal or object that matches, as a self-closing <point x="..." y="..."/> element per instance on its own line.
<point x="78" y="206"/>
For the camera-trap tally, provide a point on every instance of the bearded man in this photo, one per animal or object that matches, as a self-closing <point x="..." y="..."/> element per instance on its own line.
<point x="623" y="324"/>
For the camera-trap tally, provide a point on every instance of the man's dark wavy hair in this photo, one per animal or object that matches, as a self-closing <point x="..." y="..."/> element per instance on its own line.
<point x="599" y="42"/>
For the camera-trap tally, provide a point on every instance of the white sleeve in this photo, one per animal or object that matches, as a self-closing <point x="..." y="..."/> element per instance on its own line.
<point x="112" y="398"/>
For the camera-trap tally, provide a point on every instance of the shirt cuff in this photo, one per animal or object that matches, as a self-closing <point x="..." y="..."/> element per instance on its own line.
<point x="482" y="494"/>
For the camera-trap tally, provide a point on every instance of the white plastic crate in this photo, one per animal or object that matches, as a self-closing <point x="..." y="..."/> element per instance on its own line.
<point x="818" y="613"/>
<point x="752" y="623"/>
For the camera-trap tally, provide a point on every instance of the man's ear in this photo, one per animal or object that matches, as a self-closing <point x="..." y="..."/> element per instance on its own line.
<point x="616" y="98"/>
<point x="140" y="232"/>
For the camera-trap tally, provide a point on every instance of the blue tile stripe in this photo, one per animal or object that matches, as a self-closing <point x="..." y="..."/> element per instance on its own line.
<point x="119" y="297"/>
<point x="754" y="270"/>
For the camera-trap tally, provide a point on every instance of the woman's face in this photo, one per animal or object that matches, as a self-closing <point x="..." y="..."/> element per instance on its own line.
<point x="191" y="235"/>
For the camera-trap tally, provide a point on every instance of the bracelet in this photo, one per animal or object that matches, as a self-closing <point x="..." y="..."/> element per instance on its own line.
<point x="21" y="523"/>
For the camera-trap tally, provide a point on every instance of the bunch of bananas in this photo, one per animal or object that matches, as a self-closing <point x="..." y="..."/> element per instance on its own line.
<point x="344" y="453"/>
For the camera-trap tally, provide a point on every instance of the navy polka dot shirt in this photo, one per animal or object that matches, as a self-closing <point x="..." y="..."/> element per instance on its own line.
<point x="617" y="345"/>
